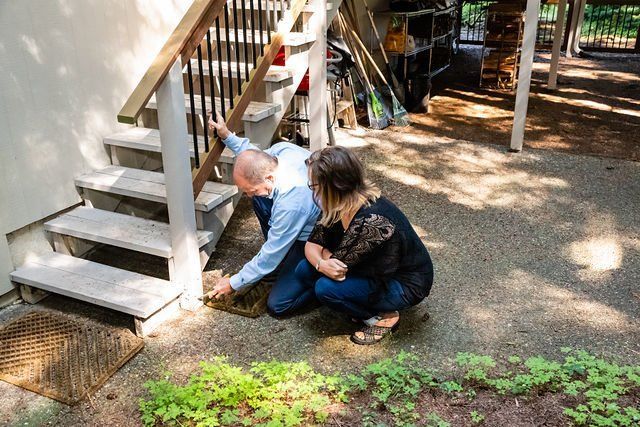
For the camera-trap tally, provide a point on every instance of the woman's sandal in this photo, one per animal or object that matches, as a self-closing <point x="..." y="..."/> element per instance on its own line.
<point x="371" y="332"/>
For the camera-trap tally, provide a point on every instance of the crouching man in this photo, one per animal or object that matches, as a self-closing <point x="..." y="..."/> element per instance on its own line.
<point x="276" y="180"/>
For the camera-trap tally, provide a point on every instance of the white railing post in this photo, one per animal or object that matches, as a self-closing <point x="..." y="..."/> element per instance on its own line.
<point x="524" y="74"/>
<point x="186" y="271"/>
<point x="318" y="135"/>
<point x="557" y="43"/>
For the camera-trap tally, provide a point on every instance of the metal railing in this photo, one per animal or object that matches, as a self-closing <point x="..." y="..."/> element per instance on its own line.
<point x="608" y="25"/>
<point x="216" y="41"/>
<point x="611" y="26"/>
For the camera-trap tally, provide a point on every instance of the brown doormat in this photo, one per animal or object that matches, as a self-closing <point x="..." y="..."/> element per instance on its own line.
<point x="62" y="357"/>
<point x="251" y="303"/>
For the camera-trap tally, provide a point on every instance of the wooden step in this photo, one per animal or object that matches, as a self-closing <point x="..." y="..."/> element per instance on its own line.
<point x="123" y="231"/>
<point x="291" y="39"/>
<point x="98" y="284"/>
<point x="276" y="73"/>
<point x="148" y="185"/>
<point x="255" y="112"/>
<point x="144" y="139"/>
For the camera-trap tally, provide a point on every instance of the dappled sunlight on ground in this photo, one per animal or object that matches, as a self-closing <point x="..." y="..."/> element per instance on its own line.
<point x="603" y="248"/>
<point x="587" y="103"/>
<point x="568" y="69"/>
<point x="595" y="110"/>
<point x="542" y="300"/>
<point x="599" y="254"/>
<point x="495" y="182"/>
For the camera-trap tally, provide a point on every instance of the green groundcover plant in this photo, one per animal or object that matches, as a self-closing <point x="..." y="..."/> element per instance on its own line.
<point x="290" y="394"/>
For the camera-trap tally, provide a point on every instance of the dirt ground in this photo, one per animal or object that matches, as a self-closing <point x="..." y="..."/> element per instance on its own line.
<point x="595" y="110"/>
<point x="532" y="252"/>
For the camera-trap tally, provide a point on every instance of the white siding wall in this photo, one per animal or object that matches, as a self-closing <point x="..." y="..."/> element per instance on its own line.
<point x="66" y="67"/>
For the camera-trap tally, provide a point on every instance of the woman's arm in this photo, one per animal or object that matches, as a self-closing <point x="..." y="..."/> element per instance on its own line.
<point x="320" y="258"/>
<point x="313" y="253"/>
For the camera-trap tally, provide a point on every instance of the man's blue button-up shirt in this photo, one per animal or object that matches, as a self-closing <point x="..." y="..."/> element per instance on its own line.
<point x="294" y="212"/>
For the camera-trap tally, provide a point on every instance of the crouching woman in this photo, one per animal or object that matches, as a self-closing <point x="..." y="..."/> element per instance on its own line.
<point x="363" y="257"/>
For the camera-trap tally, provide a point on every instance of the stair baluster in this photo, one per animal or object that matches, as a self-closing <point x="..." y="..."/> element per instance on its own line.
<point x="223" y="108"/>
<point x="260" y="29"/>
<point x="194" y="129"/>
<point x="253" y="33"/>
<point x="203" y="99"/>
<point x="212" y="91"/>
<point x="236" y="46"/>
<point x="244" y="39"/>
<point x="228" y="43"/>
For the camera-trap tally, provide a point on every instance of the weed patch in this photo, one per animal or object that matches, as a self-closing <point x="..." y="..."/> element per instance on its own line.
<point x="400" y="391"/>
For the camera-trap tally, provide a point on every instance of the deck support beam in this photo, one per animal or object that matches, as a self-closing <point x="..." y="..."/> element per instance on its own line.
<point x="575" y="28"/>
<point x="524" y="74"/>
<point x="318" y="135"/>
<point x="557" y="44"/>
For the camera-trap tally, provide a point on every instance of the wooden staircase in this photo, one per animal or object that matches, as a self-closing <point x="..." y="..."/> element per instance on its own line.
<point x="144" y="157"/>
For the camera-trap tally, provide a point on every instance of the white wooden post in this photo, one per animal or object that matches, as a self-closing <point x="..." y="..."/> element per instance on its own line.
<point x="578" y="31"/>
<point x="557" y="44"/>
<point x="318" y="135"/>
<point x="177" y="175"/>
<point x="573" y="26"/>
<point x="524" y="74"/>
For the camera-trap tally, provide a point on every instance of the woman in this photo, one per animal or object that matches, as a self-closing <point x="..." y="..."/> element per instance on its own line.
<point x="363" y="257"/>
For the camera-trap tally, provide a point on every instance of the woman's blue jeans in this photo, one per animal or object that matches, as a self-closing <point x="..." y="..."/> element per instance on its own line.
<point x="351" y="296"/>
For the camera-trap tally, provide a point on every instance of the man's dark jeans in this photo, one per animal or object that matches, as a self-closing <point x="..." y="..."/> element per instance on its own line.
<point x="288" y="295"/>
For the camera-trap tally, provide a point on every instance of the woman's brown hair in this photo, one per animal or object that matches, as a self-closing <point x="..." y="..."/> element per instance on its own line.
<point x="338" y="181"/>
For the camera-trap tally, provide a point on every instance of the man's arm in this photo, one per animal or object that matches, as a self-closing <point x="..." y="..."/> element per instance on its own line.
<point x="286" y="228"/>
<point x="235" y="143"/>
<point x="238" y="145"/>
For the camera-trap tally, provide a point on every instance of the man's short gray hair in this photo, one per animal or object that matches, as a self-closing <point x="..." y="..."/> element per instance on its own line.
<point x="254" y="165"/>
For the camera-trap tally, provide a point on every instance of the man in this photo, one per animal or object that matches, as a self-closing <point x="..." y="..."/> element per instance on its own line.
<point x="276" y="180"/>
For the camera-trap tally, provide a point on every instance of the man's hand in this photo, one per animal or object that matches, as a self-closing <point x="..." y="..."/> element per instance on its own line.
<point x="333" y="268"/>
<point x="221" y="288"/>
<point x="218" y="125"/>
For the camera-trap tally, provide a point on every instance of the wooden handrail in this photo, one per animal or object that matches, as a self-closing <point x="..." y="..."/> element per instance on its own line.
<point x="182" y="42"/>
<point x="249" y="89"/>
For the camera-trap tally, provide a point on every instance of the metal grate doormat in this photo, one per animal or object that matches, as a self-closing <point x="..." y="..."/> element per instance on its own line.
<point x="61" y="357"/>
<point x="252" y="303"/>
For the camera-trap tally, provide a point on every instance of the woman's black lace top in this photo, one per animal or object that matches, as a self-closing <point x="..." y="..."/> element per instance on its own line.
<point x="380" y="244"/>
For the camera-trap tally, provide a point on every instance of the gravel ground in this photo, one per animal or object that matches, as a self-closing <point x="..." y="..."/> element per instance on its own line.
<point x="533" y="251"/>
<point x="595" y="109"/>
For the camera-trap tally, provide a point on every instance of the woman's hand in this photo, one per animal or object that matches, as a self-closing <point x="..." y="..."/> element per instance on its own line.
<point x="333" y="268"/>
<point x="218" y="125"/>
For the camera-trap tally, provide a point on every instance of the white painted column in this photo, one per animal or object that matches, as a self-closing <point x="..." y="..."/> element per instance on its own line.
<point x="524" y="74"/>
<point x="572" y="23"/>
<point x="557" y="44"/>
<point x="318" y="136"/>
<point x="177" y="174"/>
<point x="575" y="48"/>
